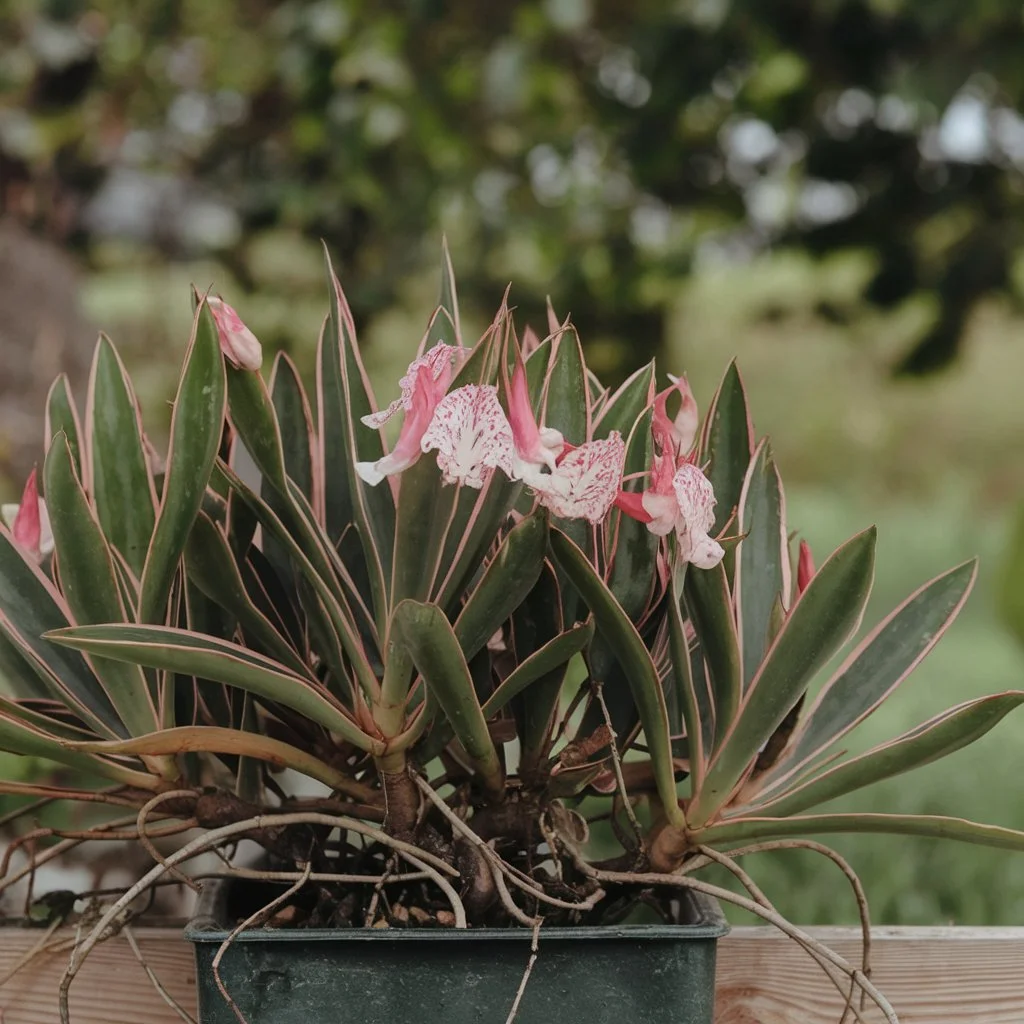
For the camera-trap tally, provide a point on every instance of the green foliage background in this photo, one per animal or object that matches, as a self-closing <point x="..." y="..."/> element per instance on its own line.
<point x="654" y="167"/>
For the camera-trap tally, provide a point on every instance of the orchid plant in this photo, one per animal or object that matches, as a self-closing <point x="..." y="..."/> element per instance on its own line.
<point x="548" y="604"/>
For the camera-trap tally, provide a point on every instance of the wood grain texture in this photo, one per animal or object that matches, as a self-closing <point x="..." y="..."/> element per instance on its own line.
<point x="931" y="975"/>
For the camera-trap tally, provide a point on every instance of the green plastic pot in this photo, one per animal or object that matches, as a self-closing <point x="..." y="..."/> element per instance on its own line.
<point x="633" y="974"/>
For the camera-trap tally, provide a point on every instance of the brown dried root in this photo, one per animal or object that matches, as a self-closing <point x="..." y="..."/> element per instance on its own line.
<point x="517" y="878"/>
<point x="620" y="782"/>
<point x="851" y="876"/>
<point x="726" y="861"/>
<point x="751" y="906"/>
<point x="526" y="974"/>
<point x="144" y="838"/>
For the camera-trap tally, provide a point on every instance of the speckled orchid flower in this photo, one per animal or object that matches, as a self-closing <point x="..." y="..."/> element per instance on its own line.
<point x="472" y="436"/>
<point x="680" y="497"/>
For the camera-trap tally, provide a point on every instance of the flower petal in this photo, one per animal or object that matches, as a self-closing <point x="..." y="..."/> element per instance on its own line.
<point x="425" y="395"/>
<point x="663" y="510"/>
<point x="471" y="435"/>
<point x="239" y="345"/>
<point x="700" y="550"/>
<point x="586" y="482"/>
<point x="696" y="498"/>
<point x="438" y="360"/>
<point x="684" y="426"/>
<point x="533" y="445"/>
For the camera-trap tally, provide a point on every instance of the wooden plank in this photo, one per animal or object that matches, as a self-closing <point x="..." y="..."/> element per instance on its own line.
<point x="932" y="976"/>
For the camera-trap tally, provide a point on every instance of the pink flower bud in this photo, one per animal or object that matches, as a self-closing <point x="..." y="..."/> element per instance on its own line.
<point x="804" y="567"/>
<point x="29" y="522"/>
<point x="237" y="342"/>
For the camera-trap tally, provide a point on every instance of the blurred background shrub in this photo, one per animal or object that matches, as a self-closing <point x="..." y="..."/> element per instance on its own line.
<point x="830" y="189"/>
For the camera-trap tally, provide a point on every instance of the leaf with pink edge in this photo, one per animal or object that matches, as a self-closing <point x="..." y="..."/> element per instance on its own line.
<point x="120" y="480"/>
<point x="823" y="618"/>
<point x="878" y="665"/>
<point x="196" y="427"/>
<point x="762" y="573"/>
<point x="940" y="736"/>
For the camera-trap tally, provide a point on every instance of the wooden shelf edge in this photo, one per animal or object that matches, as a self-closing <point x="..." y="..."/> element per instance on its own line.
<point x="931" y="975"/>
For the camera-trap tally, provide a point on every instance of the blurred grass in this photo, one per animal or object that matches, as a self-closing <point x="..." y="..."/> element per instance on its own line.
<point x="936" y="464"/>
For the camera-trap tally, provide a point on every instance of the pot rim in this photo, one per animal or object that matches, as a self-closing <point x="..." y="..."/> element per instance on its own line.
<point x="207" y="925"/>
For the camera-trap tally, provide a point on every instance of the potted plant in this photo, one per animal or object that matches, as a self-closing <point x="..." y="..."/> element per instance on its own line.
<point x="546" y="656"/>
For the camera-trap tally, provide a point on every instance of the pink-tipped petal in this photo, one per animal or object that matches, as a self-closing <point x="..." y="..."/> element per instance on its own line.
<point x="438" y="360"/>
<point x="534" y="446"/>
<point x="587" y="481"/>
<point x="804" y="567"/>
<point x="471" y="435"/>
<point x="424" y="400"/>
<point x="684" y="426"/>
<point x="632" y="504"/>
<point x="239" y="345"/>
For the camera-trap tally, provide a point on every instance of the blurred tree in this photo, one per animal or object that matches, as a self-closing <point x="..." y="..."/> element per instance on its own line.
<point x="593" y="149"/>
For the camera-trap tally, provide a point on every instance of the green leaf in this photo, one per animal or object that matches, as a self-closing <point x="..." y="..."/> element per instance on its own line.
<point x="431" y="642"/>
<point x="339" y="613"/>
<point x="632" y="548"/>
<point x="627" y="405"/>
<point x="710" y="606"/>
<point x="727" y="444"/>
<point x="31" y="606"/>
<point x="423" y="515"/>
<point x="212" y="567"/>
<point x="295" y="421"/>
<point x="568" y="406"/>
<point x="196" y="427"/>
<point x="546" y="660"/>
<point x="18" y="737"/>
<point x="62" y="417"/>
<point x="206" y="657"/>
<point x="880" y="663"/>
<point x="345" y="397"/>
<point x="446" y="326"/>
<point x="121" y="482"/>
<point x="936" y="738"/>
<point x="636" y="662"/>
<point x="820" y="622"/>
<point x="89" y="583"/>
<point x="930" y="826"/>
<point x="508" y="578"/>
<point x="535" y="623"/>
<point x="762" y="562"/>
<point x="694" y="706"/>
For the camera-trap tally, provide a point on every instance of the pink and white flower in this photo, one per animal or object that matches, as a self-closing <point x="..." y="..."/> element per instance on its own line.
<point x="29" y="522"/>
<point x="586" y="480"/>
<point x="471" y="435"/>
<point x="239" y="345"/>
<point x="679" y="497"/>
